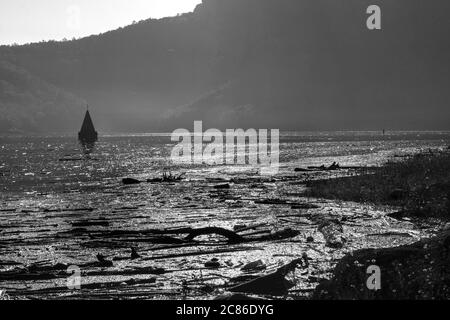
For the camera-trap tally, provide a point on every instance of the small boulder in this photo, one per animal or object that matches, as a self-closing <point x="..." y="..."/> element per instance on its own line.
<point x="213" y="264"/>
<point x="130" y="181"/>
<point x="332" y="231"/>
<point x="254" y="266"/>
<point x="134" y="254"/>
<point x="103" y="262"/>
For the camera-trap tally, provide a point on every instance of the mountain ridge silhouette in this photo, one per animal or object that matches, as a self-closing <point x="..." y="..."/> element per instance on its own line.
<point x="288" y="64"/>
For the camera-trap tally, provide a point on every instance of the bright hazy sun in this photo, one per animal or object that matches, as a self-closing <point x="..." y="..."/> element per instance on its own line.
<point x="23" y="21"/>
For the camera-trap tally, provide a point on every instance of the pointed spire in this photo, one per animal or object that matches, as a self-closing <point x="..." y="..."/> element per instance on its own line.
<point x="88" y="132"/>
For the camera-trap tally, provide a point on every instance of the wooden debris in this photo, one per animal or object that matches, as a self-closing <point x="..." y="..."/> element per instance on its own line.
<point x="272" y="284"/>
<point x="332" y="231"/>
<point x="230" y="235"/>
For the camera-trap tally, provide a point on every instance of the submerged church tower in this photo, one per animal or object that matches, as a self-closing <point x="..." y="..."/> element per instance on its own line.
<point x="87" y="133"/>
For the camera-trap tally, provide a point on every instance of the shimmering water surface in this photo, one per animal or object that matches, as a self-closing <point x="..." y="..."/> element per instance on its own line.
<point x="58" y="205"/>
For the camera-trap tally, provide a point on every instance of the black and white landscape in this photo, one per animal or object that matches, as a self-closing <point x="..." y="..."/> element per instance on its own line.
<point x="92" y="205"/>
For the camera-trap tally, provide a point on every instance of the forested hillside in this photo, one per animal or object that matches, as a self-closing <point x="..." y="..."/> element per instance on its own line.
<point x="288" y="64"/>
<point x="29" y="104"/>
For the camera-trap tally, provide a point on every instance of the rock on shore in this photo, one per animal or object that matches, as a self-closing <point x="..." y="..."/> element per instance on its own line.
<point x="417" y="271"/>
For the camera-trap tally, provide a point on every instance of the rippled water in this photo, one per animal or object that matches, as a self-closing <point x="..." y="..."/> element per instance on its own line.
<point x="50" y="189"/>
<point x="29" y="163"/>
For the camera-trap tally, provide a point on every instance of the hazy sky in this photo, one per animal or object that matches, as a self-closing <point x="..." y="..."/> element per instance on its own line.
<point x="23" y="21"/>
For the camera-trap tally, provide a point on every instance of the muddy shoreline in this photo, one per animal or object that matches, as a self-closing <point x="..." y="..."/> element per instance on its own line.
<point x="223" y="240"/>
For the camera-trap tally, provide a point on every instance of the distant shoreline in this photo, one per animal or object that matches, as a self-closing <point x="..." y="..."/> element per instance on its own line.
<point x="282" y="133"/>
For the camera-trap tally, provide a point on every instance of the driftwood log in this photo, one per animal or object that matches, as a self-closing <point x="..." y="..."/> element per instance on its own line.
<point x="232" y="236"/>
<point x="274" y="283"/>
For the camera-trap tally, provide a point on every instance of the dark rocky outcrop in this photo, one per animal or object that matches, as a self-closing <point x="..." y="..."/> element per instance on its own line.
<point x="417" y="271"/>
